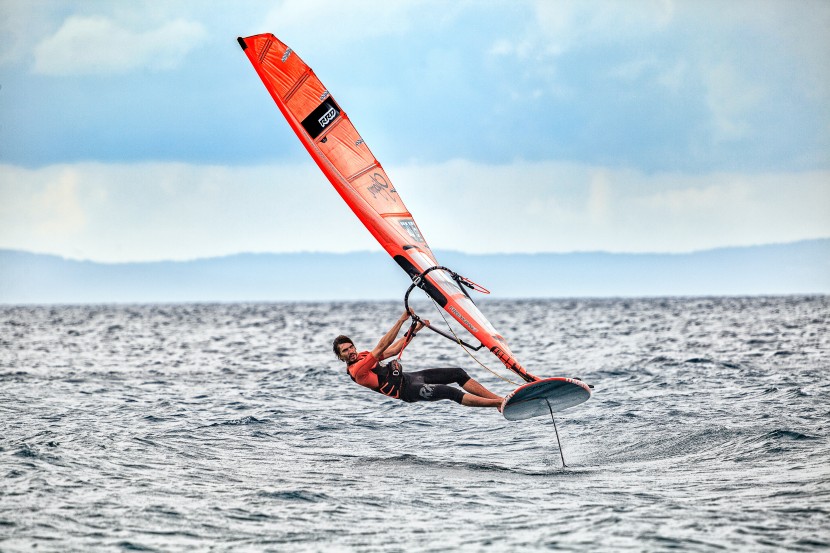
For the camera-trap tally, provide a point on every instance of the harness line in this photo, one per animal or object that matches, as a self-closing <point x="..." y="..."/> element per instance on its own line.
<point x="458" y="340"/>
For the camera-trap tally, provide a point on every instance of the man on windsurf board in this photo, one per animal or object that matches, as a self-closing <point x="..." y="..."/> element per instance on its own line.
<point x="390" y="380"/>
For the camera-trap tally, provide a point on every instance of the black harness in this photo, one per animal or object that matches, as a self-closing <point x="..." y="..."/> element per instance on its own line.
<point x="390" y="378"/>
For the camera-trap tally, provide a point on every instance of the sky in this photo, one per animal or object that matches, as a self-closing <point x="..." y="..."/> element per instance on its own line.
<point x="138" y="130"/>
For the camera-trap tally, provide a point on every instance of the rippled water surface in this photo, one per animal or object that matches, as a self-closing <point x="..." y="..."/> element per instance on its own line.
<point x="232" y="427"/>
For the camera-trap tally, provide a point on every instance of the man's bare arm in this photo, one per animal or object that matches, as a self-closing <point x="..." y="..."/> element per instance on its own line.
<point x="396" y="348"/>
<point x="387" y="339"/>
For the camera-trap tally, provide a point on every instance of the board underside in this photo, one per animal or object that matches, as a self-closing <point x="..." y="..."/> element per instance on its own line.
<point x="541" y="397"/>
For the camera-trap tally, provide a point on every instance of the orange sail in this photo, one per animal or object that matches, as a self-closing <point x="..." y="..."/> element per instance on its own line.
<point x="329" y="136"/>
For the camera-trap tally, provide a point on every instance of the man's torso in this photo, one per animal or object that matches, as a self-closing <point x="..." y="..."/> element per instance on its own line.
<point x="361" y="370"/>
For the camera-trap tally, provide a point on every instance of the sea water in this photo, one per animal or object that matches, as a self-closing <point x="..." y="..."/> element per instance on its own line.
<point x="233" y="427"/>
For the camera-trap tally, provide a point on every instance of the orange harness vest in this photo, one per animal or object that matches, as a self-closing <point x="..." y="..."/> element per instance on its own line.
<point x="389" y="377"/>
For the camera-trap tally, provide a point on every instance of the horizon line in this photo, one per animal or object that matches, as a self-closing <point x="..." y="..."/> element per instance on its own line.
<point x="436" y="250"/>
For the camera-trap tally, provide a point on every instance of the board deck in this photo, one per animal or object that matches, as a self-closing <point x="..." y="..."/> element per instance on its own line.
<point x="543" y="396"/>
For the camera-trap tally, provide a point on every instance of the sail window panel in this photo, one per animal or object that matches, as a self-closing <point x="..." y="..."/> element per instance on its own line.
<point x="409" y="231"/>
<point x="422" y="258"/>
<point x="476" y="316"/>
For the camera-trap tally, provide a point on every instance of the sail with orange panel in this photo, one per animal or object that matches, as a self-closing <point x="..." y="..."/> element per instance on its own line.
<point x="328" y="134"/>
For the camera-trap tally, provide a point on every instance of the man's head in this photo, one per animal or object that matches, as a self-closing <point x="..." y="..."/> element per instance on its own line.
<point x="344" y="349"/>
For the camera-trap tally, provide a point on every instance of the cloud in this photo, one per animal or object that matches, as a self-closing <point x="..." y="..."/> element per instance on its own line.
<point x="716" y="85"/>
<point x="550" y="206"/>
<point x="573" y="23"/>
<point x="19" y="21"/>
<point x="44" y="207"/>
<point x="151" y="211"/>
<point x="731" y="100"/>
<point x="339" y="24"/>
<point x="558" y="28"/>
<point x="58" y="208"/>
<point x="86" y="45"/>
<point x="599" y="198"/>
<point x="640" y="83"/>
<point x="47" y="205"/>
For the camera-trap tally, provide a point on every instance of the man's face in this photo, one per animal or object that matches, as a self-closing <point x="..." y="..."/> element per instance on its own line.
<point x="348" y="352"/>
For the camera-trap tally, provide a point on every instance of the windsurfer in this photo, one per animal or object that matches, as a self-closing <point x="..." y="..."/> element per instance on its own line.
<point x="390" y="380"/>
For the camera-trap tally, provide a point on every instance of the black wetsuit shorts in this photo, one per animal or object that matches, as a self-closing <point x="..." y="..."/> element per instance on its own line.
<point x="431" y="384"/>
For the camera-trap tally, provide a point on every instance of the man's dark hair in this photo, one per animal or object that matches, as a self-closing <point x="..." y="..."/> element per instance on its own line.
<point x="340" y="340"/>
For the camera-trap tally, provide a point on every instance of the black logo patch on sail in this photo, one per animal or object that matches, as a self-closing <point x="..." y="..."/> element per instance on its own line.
<point x="321" y="118"/>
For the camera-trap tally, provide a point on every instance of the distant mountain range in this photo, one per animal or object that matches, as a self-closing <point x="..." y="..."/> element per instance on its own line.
<point x="795" y="268"/>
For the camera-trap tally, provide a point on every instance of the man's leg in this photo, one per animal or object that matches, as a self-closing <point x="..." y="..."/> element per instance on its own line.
<point x="457" y="375"/>
<point x="435" y="388"/>
<point x="471" y="400"/>
<point x="474" y="387"/>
